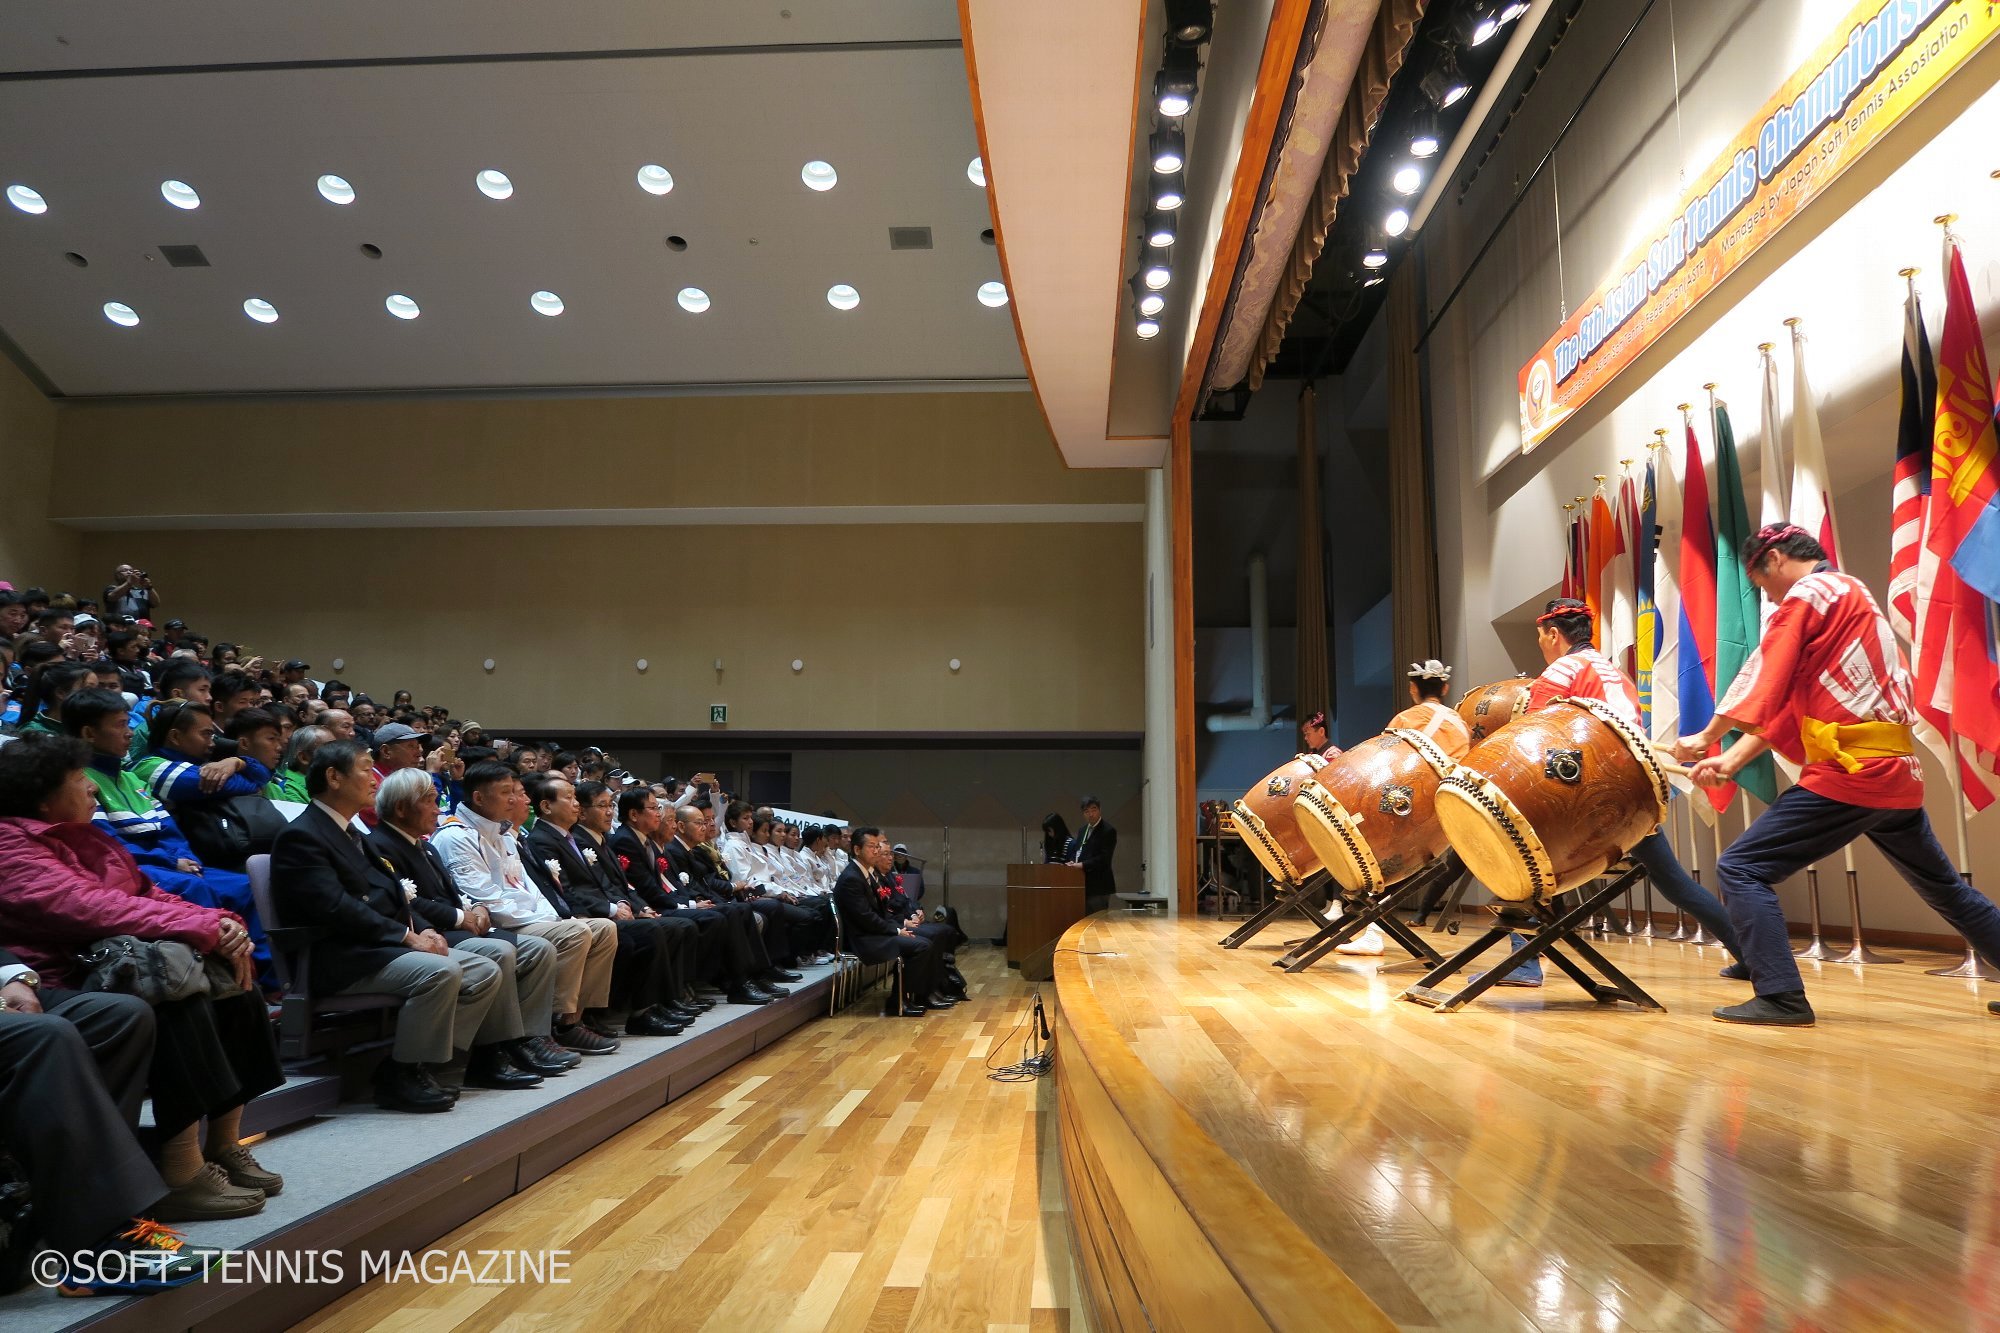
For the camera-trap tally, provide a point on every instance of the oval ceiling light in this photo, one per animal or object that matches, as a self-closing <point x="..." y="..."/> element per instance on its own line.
<point x="1147" y="328"/>
<point x="656" y="179"/>
<point x="819" y="175"/>
<point x="546" y="303"/>
<point x="180" y="194"/>
<point x="693" y="300"/>
<point x="402" y="307"/>
<point x="993" y="294"/>
<point x="1152" y="303"/>
<point x="335" y="189"/>
<point x="1375" y="258"/>
<point x="1407" y="179"/>
<point x="27" y="199"/>
<point x="1397" y="222"/>
<point x="1170" y="191"/>
<point x="1169" y="149"/>
<point x="1157" y="274"/>
<point x="975" y="171"/>
<point x="842" y="297"/>
<point x="124" y="316"/>
<point x="494" y="184"/>
<point x="261" y="310"/>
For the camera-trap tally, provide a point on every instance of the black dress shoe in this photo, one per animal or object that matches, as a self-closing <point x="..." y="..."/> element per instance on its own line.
<point x="776" y="992"/>
<point x="939" y="1000"/>
<point x="492" y="1067"/>
<point x="780" y="974"/>
<point x="548" y="1052"/>
<point x="523" y="1055"/>
<point x="907" y="1011"/>
<point x="652" y="1023"/>
<point x="749" y="996"/>
<point x="1785" y="1009"/>
<point x="673" y="1013"/>
<point x="409" y="1087"/>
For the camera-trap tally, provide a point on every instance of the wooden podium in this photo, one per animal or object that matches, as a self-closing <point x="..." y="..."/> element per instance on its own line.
<point x="1042" y="902"/>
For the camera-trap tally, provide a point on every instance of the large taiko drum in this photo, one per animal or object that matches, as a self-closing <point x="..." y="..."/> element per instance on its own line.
<point x="1265" y="822"/>
<point x="1491" y="707"/>
<point x="1553" y="800"/>
<point x="1370" y="815"/>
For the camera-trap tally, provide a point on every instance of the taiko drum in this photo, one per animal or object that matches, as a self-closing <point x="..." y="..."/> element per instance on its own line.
<point x="1265" y="822"/>
<point x="1371" y="815"/>
<point x="1552" y="800"/>
<point x="1491" y="707"/>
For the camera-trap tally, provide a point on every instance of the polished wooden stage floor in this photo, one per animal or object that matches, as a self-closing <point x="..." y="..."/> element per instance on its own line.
<point x="1538" y="1161"/>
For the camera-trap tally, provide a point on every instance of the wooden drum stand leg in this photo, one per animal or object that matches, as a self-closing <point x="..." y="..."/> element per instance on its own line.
<point x="1379" y="910"/>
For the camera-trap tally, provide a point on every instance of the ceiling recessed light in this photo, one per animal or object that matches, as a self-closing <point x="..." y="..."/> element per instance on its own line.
<point x="261" y="310"/>
<point x="494" y="184"/>
<point x="121" y="314"/>
<point x="29" y="200"/>
<point x="1152" y="303"/>
<point x="693" y="300"/>
<point x="975" y="171"/>
<point x="370" y="249"/>
<point x="402" y="307"/>
<point x="842" y="297"/>
<point x="819" y="175"/>
<point x="655" y="179"/>
<point x="1375" y="258"/>
<point x="180" y="194"/>
<point x="1397" y="222"/>
<point x="546" y="303"/>
<point x="336" y="190"/>
<point x="1147" y="328"/>
<point x="993" y="294"/>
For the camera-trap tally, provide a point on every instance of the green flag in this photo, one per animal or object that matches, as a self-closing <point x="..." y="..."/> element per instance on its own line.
<point x="1737" y="617"/>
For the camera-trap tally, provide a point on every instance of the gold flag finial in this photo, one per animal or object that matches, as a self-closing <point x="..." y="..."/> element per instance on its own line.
<point x="1907" y="273"/>
<point x="1765" y="347"/>
<point x="1627" y="462"/>
<point x="1684" y="406"/>
<point x="1569" y="506"/>
<point x="1945" y="219"/>
<point x="1710" y="386"/>
<point x="1793" y="322"/>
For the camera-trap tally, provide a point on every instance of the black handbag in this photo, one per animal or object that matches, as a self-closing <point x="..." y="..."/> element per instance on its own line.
<point x="228" y="832"/>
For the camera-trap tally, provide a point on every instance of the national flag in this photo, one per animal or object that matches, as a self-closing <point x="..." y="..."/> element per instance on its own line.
<point x="1738" y="620"/>
<point x="1910" y="484"/>
<point x="1666" y="718"/>
<point x="1695" y="680"/>
<point x="1958" y="677"/>
<point x="1646" y="642"/>
<point x="1597" y="568"/>
<point x="1812" y="498"/>
<point x="1772" y="507"/>
<point x="1572" y="581"/>
<point x="1621" y="618"/>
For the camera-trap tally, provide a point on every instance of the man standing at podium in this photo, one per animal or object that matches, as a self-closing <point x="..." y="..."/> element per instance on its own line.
<point x="1096" y="843"/>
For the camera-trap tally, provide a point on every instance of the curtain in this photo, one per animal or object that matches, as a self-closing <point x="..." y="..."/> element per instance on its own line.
<point x="1413" y="590"/>
<point x="1312" y="668"/>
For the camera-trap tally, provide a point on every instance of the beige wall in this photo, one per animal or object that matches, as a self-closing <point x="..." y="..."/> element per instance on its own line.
<point x="33" y="552"/>
<point x="226" y="458"/>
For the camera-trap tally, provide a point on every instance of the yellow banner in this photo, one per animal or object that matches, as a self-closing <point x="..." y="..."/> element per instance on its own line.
<point x="1869" y="72"/>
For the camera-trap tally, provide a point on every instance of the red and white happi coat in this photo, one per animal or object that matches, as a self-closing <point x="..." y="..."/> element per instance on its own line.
<point x="1828" y="654"/>
<point x="1585" y="673"/>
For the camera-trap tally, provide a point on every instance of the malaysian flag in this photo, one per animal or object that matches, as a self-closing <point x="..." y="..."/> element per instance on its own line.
<point x="1910" y="485"/>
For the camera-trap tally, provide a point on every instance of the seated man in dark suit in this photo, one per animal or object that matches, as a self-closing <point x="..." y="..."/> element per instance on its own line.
<point x="1096" y="844"/>
<point x="874" y="937"/>
<point x="944" y="936"/>
<point x="639" y="980"/>
<point x="324" y="879"/>
<point x="522" y="1017"/>
<point x="723" y="960"/>
<point x="597" y="809"/>
<point x="694" y="875"/>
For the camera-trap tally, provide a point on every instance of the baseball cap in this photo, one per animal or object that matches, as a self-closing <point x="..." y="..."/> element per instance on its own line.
<point x="294" y="664"/>
<point x="396" y="731"/>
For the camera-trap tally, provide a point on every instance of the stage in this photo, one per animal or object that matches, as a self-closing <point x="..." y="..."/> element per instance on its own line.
<point x="1308" y="1151"/>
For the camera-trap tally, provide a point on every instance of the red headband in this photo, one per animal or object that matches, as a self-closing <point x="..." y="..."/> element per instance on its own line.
<point x="1562" y="611"/>
<point x="1771" y="534"/>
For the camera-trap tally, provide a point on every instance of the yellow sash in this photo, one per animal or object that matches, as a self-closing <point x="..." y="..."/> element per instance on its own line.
<point x="1848" y="743"/>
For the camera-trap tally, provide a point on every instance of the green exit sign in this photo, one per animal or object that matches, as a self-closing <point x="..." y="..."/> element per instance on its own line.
<point x="718" y="713"/>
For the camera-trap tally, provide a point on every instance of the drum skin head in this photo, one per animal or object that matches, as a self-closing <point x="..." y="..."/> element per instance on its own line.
<point x="1263" y="846"/>
<point x="1492" y="838"/>
<point x="1335" y="833"/>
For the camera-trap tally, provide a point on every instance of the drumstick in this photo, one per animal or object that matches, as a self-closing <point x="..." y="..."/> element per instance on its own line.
<point x="1667" y="764"/>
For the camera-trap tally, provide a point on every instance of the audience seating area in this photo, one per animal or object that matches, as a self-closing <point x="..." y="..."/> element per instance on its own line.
<point x="375" y="898"/>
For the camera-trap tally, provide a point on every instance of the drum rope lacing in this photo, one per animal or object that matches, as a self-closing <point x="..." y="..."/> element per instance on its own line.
<point x="1256" y="826"/>
<point x="1359" y="853"/>
<point x="1478" y="797"/>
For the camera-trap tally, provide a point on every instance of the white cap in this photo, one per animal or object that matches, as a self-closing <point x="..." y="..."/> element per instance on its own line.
<point x="1430" y="669"/>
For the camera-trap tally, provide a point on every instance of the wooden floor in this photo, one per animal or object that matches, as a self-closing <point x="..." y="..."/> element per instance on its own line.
<point x="861" y="1174"/>
<point x="1540" y="1162"/>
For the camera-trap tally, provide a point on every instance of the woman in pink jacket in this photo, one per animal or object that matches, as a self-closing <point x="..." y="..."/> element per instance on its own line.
<point x="64" y="885"/>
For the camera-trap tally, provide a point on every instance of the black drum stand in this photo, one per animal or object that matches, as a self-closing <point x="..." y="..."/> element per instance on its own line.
<point x="1547" y="926"/>
<point x="1362" y="911"/>
<point x="1287" y="897"/>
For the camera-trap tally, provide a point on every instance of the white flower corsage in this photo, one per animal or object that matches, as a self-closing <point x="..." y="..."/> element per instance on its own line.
<point x="409" y="889"/>
<point x="554" y="867"/>
<point x="590" y="855"/>
<point x="684" y="878"/>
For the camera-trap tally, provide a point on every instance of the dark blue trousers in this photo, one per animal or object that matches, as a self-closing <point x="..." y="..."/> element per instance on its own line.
<point x="1800" y="828"/>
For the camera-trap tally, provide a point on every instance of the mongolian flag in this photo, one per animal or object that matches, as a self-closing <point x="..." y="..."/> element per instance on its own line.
<point x="1910" y="484"/>
<point x="1738" y="621"/>
<point x="1957" y="668"/>
<point x="1694" y="683"/>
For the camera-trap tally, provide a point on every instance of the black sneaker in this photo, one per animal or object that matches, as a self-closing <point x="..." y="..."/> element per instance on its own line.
<point x="1786" y="1009"/>
<point x="155" y="1258"/>
<point x="576" y="1037"/>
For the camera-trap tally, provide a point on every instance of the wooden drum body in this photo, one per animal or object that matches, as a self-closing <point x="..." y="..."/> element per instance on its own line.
<point x="1265" y="822"/>
<point x="1370" y="815"/>
<point x="1552" y="800"/>
<point x="1491" y="707"/>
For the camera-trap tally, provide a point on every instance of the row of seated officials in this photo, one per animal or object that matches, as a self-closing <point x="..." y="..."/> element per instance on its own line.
<point x="518" y="916"/>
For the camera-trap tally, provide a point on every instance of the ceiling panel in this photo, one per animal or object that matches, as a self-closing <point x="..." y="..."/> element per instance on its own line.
<point x="733" y="128"/>
<point x="64" y="35"/>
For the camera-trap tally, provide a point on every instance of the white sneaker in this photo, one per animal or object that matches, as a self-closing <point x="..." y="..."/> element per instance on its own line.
<point x="1367" y="943"/>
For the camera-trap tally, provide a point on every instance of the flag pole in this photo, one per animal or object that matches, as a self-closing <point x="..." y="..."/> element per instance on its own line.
<point x="1625" y="466"/>
<point x="1694" y="871"/>
<point x="1716" y="829"/>
<point x="1700" y="935"/>
<point x="1973" y="966"/>
<point x="1659" y="447"/>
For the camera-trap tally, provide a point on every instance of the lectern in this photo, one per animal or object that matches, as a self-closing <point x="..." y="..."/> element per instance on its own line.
<point x="1042" y="902"/>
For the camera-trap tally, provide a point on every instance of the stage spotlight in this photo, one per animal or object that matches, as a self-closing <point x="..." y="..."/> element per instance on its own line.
<point x="1512" y="10"/>
<point x="1442" y="83"/>
<point x="1147" y="328"/>
<point x="1167" y="147"/>
<point x="1408" y="179"/>
<point x="1189" y="22"/>
<point x="1159" y="270"/>
<point x="1174" y="86"/>
<point x="1424" y="133"/>
<point x="1377" y="253"/>
<point x="1149" y="302"/>
<point x="1397" y="222"/>
<point x="1159" y="229"/>
<point x="1478" y="25"/>
<point x="1170" y="191"/>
